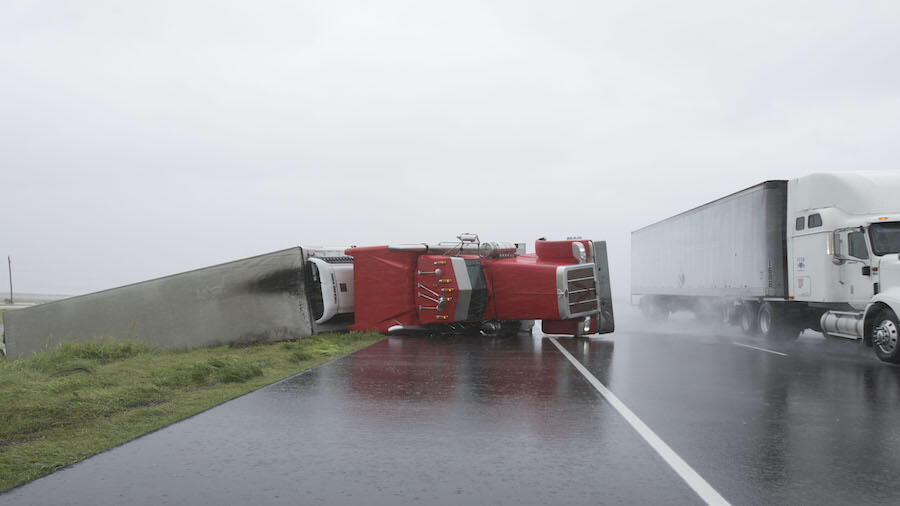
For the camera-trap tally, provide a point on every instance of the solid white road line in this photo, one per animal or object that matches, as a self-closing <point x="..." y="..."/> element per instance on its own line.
<point x="686" y="472"/>
<point x="760" y="349"/>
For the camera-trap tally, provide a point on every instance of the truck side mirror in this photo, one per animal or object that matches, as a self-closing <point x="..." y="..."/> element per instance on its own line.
<point x="866" y="270"/>
<point x="837" y="257"/>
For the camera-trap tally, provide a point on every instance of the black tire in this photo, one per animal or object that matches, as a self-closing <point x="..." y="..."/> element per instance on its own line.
<point x="773" y="324"/>
<point x="885" y="334"/>
<point x="748" y="320"/>
<point x="731" y="315"/>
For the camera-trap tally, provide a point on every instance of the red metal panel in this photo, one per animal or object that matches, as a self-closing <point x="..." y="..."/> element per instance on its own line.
<point x="383" y="282"/>
<point x="524" y="288"/>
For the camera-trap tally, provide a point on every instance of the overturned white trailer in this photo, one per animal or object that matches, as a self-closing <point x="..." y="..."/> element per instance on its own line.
<point x="261" y="298"/>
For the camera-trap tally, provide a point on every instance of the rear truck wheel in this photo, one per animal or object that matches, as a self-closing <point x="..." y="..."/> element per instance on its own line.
<point x="775" y="325"/>
<point x="749" y="320"/>
<point x="731" y="314"/>
<point x="885" y="334"/>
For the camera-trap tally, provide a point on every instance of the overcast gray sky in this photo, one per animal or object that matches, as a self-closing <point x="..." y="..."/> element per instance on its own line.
<point x="139" y="139"/>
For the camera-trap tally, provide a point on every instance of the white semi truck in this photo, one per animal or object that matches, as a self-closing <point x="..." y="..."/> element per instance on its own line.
<point x="818" y="252"/>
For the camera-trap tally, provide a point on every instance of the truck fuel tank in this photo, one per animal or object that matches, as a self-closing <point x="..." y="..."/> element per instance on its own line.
<point x="842" y="324"/>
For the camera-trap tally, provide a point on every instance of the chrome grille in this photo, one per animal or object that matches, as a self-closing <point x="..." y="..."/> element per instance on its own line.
<point x="581" y="291"/>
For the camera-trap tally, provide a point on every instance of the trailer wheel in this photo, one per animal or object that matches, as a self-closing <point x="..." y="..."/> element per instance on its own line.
<point x="749" y="321"/>
<point x="731" y="314"/>
<point x="773" y="324"/>
<point x="766" y="320"/>
<point x="885" y="335"/>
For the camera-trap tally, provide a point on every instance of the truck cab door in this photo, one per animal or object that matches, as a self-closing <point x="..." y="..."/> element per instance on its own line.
<point x="856" y="269"/>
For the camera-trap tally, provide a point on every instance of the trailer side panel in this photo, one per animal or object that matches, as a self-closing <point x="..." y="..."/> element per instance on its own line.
<point x="257" y="298"/>
<point x="734" y="246"/>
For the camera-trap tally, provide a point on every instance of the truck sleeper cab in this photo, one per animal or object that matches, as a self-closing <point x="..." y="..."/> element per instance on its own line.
<point x="473" y="286"/>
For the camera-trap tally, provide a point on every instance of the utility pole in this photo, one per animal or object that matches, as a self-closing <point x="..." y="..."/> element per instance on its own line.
<point x="9" y="261"/>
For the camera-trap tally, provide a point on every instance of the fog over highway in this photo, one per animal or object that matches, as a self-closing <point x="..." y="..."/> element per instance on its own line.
<point x="140" y="142"/>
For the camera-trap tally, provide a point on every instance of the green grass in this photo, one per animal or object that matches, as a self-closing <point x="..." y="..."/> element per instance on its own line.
<point x="63" y="405"/>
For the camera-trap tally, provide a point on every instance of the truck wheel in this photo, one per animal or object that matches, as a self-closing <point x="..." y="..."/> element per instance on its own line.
<point x="774" y="325"/>
<point x="885" y="336"/>
<point x="766" y="321"/>
<point x="731" y="314"/>
<point x="749" y="318"/>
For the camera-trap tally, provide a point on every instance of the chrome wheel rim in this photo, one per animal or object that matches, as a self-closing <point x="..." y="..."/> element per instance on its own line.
<point x="884" y="336"/>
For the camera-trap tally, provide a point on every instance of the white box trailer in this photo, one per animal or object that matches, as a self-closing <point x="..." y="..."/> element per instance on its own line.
<point x="817" y="252"/>
<point x="734" y="246"/>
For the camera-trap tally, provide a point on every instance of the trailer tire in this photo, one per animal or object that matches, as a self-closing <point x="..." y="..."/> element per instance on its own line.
<point x="885" y="335"/>
<point x="774" y="324"/>
<point x="731" y="314"/>
<point x="749" y="320"/>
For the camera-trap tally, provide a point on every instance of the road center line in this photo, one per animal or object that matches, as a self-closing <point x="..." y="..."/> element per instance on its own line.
<point x="686" y="472"/>
<point x="760" y="349"/>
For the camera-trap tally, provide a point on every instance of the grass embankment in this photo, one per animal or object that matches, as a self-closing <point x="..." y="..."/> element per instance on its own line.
<point x="63" y="405"/>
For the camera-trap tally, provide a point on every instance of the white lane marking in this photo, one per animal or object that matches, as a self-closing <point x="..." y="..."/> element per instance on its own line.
<point x="686" y="472"/>
<point x="760" y="349"/>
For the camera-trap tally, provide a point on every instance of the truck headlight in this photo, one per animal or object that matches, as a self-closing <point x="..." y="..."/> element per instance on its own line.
<point x="579" y="252"/>
<point x="586" y="325"/>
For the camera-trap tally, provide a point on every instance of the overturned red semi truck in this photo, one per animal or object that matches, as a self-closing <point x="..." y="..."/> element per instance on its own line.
<point x="448" y="288"/>
<point x="467" y="286"/>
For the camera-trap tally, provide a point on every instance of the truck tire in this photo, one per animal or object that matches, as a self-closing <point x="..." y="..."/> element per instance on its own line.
<point x="885" y="336"/>
<point x="774" y="324"/>
<point x="749" y="320"/>
<point x="731" y="314"/>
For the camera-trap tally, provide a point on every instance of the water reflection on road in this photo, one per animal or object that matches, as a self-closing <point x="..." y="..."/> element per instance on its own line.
<point x="510" y="420"/>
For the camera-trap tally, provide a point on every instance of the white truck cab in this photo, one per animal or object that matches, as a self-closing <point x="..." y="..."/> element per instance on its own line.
<point x="844" y="237"/>
<point x="330" y="275"/>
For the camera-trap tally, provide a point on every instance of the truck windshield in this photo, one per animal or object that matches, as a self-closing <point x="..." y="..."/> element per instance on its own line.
<point x="885" y="238"/>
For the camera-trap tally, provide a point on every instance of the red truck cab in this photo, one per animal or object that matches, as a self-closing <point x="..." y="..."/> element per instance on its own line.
<point x="484" y="286"/>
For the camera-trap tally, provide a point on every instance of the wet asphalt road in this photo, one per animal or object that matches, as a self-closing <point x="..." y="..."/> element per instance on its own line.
<point x="511" y="421"/>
